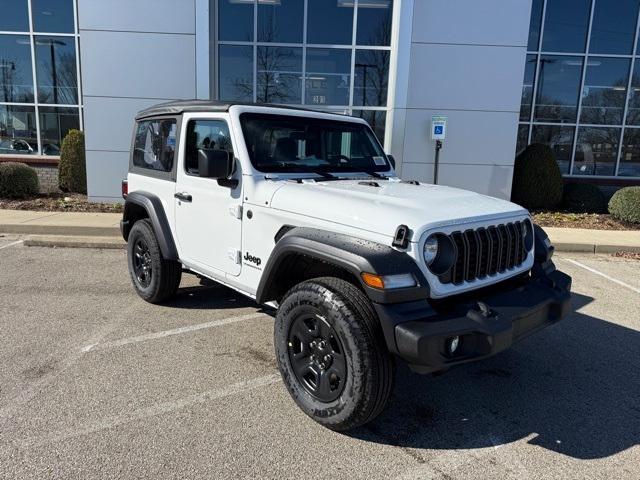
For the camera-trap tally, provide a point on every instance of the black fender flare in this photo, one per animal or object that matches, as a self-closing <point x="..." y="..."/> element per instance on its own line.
<point x="152" y="205"/>
<point x="355" y="255"/>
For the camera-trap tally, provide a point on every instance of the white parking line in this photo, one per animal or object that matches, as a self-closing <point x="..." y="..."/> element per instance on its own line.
<point x="151" y="411"/>
<point x="168" y="333"/>
<point x="603" y="275"/>
<point x="10" y="244"/>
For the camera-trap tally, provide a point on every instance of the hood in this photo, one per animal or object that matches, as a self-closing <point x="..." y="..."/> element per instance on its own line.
<point x="381" y="209"/>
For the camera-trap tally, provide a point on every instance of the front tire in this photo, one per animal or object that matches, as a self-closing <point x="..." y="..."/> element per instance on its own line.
<point x="154" y="278"/>
<point x="331" y="353"/>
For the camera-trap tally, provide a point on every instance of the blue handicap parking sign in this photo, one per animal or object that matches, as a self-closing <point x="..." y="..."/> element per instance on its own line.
<point x="438" y="129"/>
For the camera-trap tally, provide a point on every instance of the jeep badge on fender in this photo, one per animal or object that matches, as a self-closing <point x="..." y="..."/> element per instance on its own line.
<point x="250" y="258"/>
<point x="365" y="269"/>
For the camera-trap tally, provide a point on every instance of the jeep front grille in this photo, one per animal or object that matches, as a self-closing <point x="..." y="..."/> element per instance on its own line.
<point x="486" y="251"/>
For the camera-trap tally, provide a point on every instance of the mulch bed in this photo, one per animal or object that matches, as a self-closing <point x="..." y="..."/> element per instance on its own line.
<point x="628" y="255"/>
<point x="595" y="221"/>
<point x="59" y="202"/>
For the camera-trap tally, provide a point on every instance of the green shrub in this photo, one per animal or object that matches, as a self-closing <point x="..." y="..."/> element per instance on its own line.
<point x="625" y="204"/>
<point x="72" y="170"/>
<point x="583" y="198"/>
<point x="537" y="182"/>
<point x="18" y="180"/>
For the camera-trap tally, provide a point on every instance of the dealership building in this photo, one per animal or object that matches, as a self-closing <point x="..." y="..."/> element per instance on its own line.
<point x="503" y="73"/>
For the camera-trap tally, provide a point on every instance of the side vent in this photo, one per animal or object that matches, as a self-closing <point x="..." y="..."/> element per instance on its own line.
<point x="401" y="238"/>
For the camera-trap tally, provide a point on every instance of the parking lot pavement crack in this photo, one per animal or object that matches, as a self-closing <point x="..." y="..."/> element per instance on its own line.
<point x="151" y="411"/>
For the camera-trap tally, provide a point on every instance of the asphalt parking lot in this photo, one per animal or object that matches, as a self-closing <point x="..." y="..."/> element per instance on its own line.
<point x="96" y="383"/>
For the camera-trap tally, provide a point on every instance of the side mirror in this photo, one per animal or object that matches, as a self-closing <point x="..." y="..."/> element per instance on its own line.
<point x="392" y="161"/>
<point x="215" y="163"/>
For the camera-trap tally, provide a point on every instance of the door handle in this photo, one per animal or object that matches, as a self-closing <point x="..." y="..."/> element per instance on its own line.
<point x="184" y="196"/>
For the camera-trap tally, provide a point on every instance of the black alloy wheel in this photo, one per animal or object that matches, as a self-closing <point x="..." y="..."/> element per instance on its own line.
<point x="317" y="357"/>
<point x="142" y="263"/>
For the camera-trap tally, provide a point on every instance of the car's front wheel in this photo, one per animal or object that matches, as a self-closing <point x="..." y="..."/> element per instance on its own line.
<point x="154" y="278"/>
<point x="331" y="353"/>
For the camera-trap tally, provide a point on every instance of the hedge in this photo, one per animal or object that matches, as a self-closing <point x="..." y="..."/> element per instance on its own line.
<point x="537" y="181"/>
<point x="18" y="180"/>
<point x="72" y="170"/>
<point x="625" y="204"/>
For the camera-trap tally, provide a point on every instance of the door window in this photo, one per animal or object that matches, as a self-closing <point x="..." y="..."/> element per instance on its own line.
<point x="205" y="134"/>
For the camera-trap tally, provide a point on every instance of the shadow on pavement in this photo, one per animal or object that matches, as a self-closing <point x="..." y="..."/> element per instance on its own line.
<point x="213" y="297"/>
<point x="574" y="388"/>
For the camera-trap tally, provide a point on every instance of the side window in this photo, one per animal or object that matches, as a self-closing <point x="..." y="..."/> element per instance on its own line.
<point x="155" y="144"/>
<point x="205" y="134"/>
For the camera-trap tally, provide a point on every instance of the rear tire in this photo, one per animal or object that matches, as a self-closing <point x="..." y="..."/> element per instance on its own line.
<point x="154" y="278"/>
<point x="331" y="353"/>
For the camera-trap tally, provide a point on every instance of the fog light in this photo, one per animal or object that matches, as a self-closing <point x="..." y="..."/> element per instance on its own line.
<point x="452" y="344"/>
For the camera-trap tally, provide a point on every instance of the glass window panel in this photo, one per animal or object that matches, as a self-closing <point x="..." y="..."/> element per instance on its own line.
<point x="205" y="134"/>
<point x="527" y="87"/>
<point x="16" y="78"/>
<point x="155" y="145"/>
<point x="523" y="137"/>
<point x="235" y="20"/>
<point x="534" y="25"/>
<point x="374" y="21"/>
<point x="558" y="86"/>
<point x="279" y="75"/>
<point x="560" y="139"/>
<point x="56" y="70"/>
<point x="633" y="110"/>
<point x="565" y="25"/>
<point x="15" y="16"/>
<point x="55" y="123"/>
<point x="605" y="90"/>
<point x="614" y="26"/>
<point x="376" y="119"/>
<point x="596" y="151"/>
<point x="53" y="16"/>
<point x="236" y="73"/>
<point x="371" y="78"/>
<point x="328" y="76"/>
<point x="18" y="133"/>
<point x="630" y="159"/>
<point x="329" y="22"/>
<point x="280" y="21"/>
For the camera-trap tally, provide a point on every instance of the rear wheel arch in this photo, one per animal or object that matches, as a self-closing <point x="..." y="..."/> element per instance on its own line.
<point x="140" y="205"/>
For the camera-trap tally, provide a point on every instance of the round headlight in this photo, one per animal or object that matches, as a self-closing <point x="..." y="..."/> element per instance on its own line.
<point x="430" y="249"/>
<point x="439" y="253"/>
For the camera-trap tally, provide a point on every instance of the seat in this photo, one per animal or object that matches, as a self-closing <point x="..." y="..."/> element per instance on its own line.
<point x="286" y="150"/>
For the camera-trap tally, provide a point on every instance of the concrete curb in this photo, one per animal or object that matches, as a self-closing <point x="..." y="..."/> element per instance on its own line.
<point x="116" y="242"/>
<point x="63" y="241"/>
<point x="594" y="248"/>
<point x="26" y="229"/>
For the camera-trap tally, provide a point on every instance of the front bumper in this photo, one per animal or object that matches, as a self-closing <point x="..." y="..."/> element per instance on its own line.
<point x="487" y="324"/>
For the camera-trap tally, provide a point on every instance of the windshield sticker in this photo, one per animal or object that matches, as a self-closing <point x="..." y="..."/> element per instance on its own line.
<point x="379" y="161"/>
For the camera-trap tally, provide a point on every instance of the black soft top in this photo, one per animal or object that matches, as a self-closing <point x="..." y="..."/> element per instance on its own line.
<point x="180" y="106"/>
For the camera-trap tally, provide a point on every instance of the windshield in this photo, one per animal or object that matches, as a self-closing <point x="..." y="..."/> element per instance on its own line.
<point x="283" y="143"/>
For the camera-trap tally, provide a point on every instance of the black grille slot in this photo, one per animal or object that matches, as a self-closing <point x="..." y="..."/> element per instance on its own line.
<point x="485" y="252"/>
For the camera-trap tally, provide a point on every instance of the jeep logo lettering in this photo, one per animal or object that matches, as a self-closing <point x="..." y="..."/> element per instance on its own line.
<point x="250" y="258"/>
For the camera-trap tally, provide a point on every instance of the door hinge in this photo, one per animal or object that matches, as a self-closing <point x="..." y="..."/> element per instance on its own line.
<point x="235" y="211"/>
<point x="234" y="255"/>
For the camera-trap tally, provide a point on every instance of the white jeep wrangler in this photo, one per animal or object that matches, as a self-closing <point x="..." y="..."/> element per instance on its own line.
<point x="303" y="211"/>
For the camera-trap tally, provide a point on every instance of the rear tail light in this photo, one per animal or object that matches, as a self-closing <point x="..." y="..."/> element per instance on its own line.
<point x="125" y="188"/>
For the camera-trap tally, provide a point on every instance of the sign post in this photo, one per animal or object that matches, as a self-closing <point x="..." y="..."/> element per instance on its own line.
<point x="438" y="133"/>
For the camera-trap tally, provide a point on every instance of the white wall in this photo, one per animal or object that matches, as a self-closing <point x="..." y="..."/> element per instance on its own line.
<point x="133" y="54"/>
<point x="463" y="59"/>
